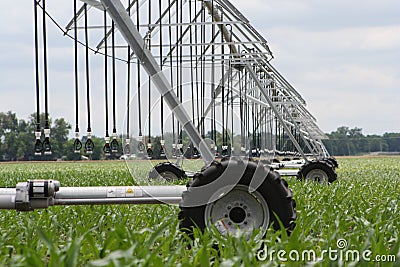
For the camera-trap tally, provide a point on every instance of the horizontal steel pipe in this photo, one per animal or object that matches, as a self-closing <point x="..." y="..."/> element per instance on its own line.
<point x="110" y="201"/>
<point x="7" y="191"/>
<point x="7" y="201"/>
<point x="119" y="192"/>
<point x="287" y="172"/>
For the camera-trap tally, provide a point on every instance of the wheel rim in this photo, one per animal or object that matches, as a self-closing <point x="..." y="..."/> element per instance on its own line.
<point x="238" y="211"/>
<point x="168" y="176"/>
<point x="317" y="175"/>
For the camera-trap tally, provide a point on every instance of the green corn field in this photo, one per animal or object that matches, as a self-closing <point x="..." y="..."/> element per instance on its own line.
<point x="357" y="214"/>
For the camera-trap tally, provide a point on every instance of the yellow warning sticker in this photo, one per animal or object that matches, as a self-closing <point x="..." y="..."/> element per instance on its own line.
<point x="129" y="192"/>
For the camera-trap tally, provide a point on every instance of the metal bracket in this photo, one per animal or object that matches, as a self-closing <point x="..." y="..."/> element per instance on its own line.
<point x="35" y="194"/>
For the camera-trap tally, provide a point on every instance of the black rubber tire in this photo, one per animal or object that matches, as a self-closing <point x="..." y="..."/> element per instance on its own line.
<point x="273" y="189"/>
<point x="324" y="166"/>
<point x="333" y="162"/>
<point x="167" y="170"/>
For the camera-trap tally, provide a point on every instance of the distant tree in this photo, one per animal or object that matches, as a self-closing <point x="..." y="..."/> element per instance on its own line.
<point x="17" y="137"/>
<point x="338" y="143"/>
<point x="98" y="148"/>
<point x="26" y="139"/>
<point x="8" y="122"/>
<point x="69" y="151"/>
<point x="9" y="136"/>
<point x="59" y="136"/>
<point x="393" y="141"/>
<point x="374" y="143"/>
<point x="346" y="141"/>
<point x="17" y="141"/>
<point x="33" y="119"/>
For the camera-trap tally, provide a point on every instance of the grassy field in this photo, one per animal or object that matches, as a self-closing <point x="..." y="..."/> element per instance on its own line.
<point x="357" y="214"/>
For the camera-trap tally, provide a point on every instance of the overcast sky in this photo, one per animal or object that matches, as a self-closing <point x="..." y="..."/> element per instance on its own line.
<point x="343" y="57"/>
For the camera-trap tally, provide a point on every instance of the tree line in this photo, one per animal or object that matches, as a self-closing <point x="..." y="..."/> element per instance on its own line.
<point x="347" y="142"/>
<point x="17" y="137"/>
<point x="17" y="141"/>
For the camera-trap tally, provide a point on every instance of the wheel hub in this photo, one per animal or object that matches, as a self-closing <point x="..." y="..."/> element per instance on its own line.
<point x="168" y="176"/>
<point x="238" y="211"/>
<point x="317" y="175"/>
<point x="237" y="215"/>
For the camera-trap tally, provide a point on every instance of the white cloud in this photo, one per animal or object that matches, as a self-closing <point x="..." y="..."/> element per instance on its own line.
<point x="381" y="38"/>
<point x="359" y="78"/>
<point x="353" y="95"/>
<point x="297" y="42"/>
<point x="371" y="111"/>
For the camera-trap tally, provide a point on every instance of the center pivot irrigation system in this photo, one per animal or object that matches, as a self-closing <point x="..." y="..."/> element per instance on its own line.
<point x="224" y="99"/>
